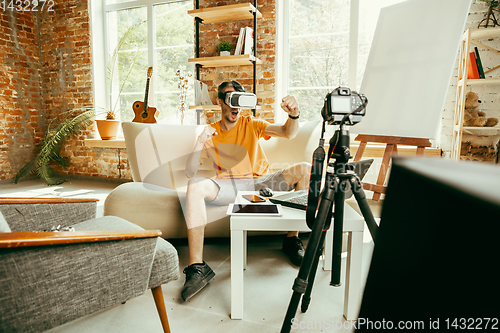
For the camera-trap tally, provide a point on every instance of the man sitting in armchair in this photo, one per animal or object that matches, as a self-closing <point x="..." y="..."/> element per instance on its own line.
<point x="233" y="146"/>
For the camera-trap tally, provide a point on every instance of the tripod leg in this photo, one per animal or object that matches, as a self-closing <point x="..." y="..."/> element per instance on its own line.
<point x="338" y="228"/>
<point x="300" y="283"/>
<point x="306" y="299"/>
<point x="360" y="196"/>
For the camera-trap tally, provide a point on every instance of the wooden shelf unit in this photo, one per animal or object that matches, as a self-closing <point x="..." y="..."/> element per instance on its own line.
<point x="220" y="14"/>
<point x="468" y="38"/>
<point x="220" y="61"/>
<point x="227" y="13"/>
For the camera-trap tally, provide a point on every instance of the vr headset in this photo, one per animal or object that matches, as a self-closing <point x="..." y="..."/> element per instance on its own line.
<point x="238" y="99"/>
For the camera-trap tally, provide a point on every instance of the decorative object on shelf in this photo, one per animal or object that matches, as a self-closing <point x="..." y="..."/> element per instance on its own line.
<point x="225" y="48"/>
<point x="183" y="86"/>
<point x="490" y="15"/>
<point x="67" y="124"/>
<point x="472" y="116"/>
<point x="201" y="96"/>
<point x="467" y="51"/>
<point x="143" y="112"/>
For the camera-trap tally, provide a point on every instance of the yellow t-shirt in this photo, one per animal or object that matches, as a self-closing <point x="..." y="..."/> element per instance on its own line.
<point x="236" y="153"/>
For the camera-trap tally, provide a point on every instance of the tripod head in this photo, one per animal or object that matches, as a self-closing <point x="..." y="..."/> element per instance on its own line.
<point x="342" y="107"/>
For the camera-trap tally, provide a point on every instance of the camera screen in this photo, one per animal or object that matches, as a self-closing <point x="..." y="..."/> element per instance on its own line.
<point x="341" y="104"/>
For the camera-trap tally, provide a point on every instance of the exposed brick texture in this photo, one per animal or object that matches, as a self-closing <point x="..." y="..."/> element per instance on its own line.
<point x="23" y="116"/>
<point x="46" y="70"/>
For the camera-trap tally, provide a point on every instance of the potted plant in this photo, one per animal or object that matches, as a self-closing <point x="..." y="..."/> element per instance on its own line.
<point x="225" y="48"/>
<point x="108" y="127"/>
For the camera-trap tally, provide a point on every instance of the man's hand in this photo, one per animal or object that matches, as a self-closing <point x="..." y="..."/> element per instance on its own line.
<point x="290" y="105"/>
<point x="208" y="133"/>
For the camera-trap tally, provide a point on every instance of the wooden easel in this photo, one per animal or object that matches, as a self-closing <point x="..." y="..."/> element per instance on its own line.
<point x="391" y="148"/>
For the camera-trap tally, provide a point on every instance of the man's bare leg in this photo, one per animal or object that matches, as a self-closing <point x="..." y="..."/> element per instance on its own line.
<point x="198" y="191"/>
<point x="198" y="273"/>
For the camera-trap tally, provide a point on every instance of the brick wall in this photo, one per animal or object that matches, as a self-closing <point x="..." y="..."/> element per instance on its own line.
<point x="212" y="34"/>
<point x="47" y="70"/>
<point x="21" y="99"/>
<point x="475" y="148"/>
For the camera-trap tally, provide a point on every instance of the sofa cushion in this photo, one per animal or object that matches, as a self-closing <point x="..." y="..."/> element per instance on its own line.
<point x="157" y="153"/>
<point x="282" y="153"/>
<point x="156" y="207"/>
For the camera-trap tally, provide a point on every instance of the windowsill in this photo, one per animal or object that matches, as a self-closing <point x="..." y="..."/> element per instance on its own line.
<point x="98" y="143"/>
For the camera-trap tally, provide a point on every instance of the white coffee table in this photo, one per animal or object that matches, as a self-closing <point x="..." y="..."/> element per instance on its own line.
<point x="294" y="220"/>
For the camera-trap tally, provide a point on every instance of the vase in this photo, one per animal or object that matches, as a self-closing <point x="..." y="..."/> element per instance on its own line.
<point x="225" y="53"/>
<point x="107" y="128"/>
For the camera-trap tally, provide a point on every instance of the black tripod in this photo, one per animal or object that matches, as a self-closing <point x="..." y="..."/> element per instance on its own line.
<point x="338" y="176"/>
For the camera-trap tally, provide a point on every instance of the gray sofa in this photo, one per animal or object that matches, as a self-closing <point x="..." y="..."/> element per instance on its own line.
<point x="68" y="275"/>
<point x="157" y="155"/>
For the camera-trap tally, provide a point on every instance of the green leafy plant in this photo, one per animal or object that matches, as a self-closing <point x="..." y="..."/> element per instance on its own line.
<point x="67" y="124"/>
<point x="112" y="66"/>
<point x="225" y="46"/>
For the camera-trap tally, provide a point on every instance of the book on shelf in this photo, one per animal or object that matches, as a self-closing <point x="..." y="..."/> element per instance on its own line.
<point x="201" y="96"/>
<point x="479" y="63"/>
<point x="248" y="44"/>
<point x="239" y="44"/>
<point x="473" y="72"/>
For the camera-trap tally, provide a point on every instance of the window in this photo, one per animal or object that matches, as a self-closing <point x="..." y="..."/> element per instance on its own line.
<point x="158" y="34"/>
<point x="325" y="44"/>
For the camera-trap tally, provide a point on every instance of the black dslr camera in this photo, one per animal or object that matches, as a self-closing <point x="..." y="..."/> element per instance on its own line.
<point x="341" y="103"/>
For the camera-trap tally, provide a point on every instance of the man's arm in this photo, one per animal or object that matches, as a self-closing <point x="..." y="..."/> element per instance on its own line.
<point x="290" y="128"/>
<point x="193" y="161"/>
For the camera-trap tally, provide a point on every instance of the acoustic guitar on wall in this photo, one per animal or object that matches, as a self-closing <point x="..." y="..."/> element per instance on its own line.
<point x="144" y="113"/>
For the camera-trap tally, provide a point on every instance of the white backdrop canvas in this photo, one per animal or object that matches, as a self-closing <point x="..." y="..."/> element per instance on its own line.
<point x="411" y="62"/>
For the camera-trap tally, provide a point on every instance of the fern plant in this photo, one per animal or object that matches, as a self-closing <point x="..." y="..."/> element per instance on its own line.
<point x="67" y="124"/>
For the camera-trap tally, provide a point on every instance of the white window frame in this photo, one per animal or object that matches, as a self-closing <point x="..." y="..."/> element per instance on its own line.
<point x="100" y="42"/>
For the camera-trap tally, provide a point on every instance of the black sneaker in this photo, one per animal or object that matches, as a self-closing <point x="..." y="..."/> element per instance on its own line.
<point x="197" y="277"/>
<point x="293" y="248"/>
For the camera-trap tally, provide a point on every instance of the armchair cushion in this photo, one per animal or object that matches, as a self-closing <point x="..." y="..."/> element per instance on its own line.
<point x="4" y="227"/>
<point x="165" y="265"/>
<point x="47" y="286"/>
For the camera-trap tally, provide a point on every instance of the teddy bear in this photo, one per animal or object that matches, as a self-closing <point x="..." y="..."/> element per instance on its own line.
<point x="474" y="117"/>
